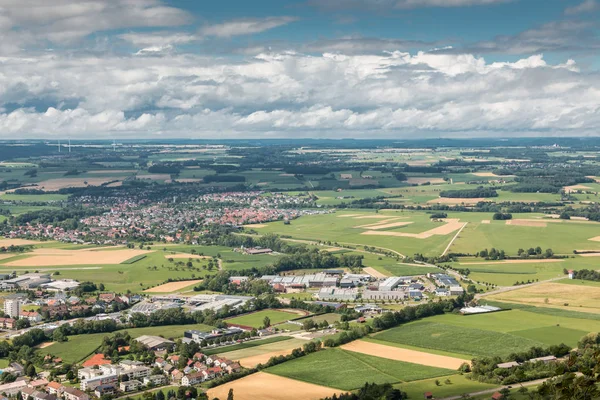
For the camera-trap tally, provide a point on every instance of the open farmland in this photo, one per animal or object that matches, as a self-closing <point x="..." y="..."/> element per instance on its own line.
<point x="457" y="385"/>
<point x="260" y="353"/>
<point x="451" y="338"/>
<point x="558" y="295"/>
<point x="271" y="387"/>
<point x="256" y="319"/>
<point x="357" y="369"/>
<point x="171" y="287"/>
<point x="51" y="257"/>
<point x="79" y="347"/>
<point x="407" y="355"/>
<point x="345" y="228"/>
<point x="561" y="236"/>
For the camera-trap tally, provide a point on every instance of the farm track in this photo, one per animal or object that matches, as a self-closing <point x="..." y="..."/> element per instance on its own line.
<point x="511" y="288"/>
<point x="454" y="238"/>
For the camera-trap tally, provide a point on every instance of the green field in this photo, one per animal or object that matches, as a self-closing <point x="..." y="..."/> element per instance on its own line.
<point x="34" y="198"/>
<point x="79" y="347"/>
<point x="445" y="337"/>
<point x="151" y="270"/>
<point x="345" y="230"/>
<point x="490" y="334"/>
<point x="563" y="237"/>
<point x="347" y="371"/>
<point x="255" y="320"/>
<point x="457" y="386"/>
<point x="263" y="347"/>
<point x="246" y="345"/>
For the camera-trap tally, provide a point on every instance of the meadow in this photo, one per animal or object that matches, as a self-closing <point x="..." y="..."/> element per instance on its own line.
<point x="582" y="298"/>
<point x="561" y="236"/>
<point x="256" y="319"/>
<point x="253" y="347"/>
<point x="476" y="342"/>
<point x="349" y="371"/>
<point x="79" y="347"/>
<point x="347" y="227"/>
<point x="454" y="385"/>
<point x="147" y="272"/>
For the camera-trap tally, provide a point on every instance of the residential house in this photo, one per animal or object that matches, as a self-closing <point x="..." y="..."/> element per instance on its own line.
<point x="155" y="380"/>
<point x="106" y="389"/>
<point x="129" y="386"/>
<point x="55" y="388"/>
<point x="32" y="316"/>
<point x="70" y="393"/>
<point x="192" y="379"/>
<point x="7" y="323"/>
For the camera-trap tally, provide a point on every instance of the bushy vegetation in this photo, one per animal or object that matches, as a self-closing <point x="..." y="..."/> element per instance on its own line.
<point x="469" y="193"/>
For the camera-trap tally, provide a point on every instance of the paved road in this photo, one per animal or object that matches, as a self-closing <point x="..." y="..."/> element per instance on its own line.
<point x="491" y="391"/>
<point x="504" y="289"/>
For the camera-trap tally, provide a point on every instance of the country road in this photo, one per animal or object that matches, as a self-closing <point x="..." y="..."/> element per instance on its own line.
<point x="504" y="289"/>
<point x="537" y="382"/>
<point x="454" y="238"/>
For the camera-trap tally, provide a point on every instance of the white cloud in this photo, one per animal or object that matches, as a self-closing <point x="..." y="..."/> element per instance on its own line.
<point x="62" y="21"/>
<point x="398" y="4"/>
<point x="158" y="39"/>
<point x="586" y="6"/>
<point x="245" y="26"/>
<point x="292" y="94"/>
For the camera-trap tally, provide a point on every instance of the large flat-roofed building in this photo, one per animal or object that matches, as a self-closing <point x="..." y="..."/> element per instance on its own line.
<point x="155" y="342"/>
<point x="337" y="294"/>
<point x="199" y="336"/>
<point x="384" y="295"/>
<point x="393" y="282"/>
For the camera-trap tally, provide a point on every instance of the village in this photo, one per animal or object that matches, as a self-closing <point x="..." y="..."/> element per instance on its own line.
<point x="167" y="221"/>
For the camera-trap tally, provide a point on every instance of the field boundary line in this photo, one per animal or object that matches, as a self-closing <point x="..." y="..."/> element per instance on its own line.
<point x="454" y="238"/>
<point x="350" y="353"/>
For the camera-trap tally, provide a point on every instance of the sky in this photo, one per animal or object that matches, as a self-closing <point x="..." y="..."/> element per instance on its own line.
<point x="157" y="69"/>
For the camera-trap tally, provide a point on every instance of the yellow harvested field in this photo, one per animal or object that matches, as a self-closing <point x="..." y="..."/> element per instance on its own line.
<point x="590" y="255"/>
<point x="155" y="177"/>
<point x="371" y="216"/>
<point x="486" y="221"/>
<point x="447" y="200"/>
<point x="52" y="185"/>
<point x="172" y="286"/>
<point x="374" y="273"/>
<point x="420" y="181"/>
<point x="595" y="239"/>
<point x="484" y="174"/>
<point x="549" y="260"/>
<point x="264" y="386"/>
<point x="574" y="188"/>
<point x="385" y="226"/>
<point x="526" y="222"/>
<point x="451" y="225"/>
<point x="251" y="362"/>
<point x="255" y="226"/>
<point x="550" y="294"/>
<point x="44" y="345"/>
<point x="52" y="257"/>
<point x="16" y="242"/>
<point x="333" y="249"/>
<point x="398" y="354"/>
<point x="348" y="215"/>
